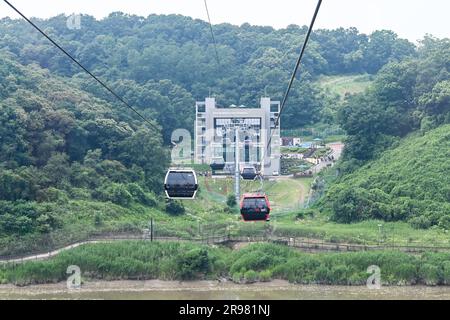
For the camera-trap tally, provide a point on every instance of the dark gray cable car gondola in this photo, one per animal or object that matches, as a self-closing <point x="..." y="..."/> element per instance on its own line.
<point x="217" y="164"/>
<point x="181" y="184"/>
<point x="249" y="173"/>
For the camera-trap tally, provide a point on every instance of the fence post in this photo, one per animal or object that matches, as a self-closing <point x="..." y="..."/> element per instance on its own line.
<point x="151" y="230"/>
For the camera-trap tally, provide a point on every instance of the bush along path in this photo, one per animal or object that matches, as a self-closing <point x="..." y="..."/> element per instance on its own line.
<point x="134" y="260"/>
<point x="301" y="244"/>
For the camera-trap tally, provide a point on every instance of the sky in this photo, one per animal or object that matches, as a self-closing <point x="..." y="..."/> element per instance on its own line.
<point x="411" y="19"/>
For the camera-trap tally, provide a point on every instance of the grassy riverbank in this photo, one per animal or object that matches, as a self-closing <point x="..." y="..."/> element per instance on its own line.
<point x="132" y="260"/>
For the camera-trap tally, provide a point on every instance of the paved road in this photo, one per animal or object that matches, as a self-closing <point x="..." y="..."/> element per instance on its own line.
<point x="336" y="152"/>
<point x="53" y="253"/>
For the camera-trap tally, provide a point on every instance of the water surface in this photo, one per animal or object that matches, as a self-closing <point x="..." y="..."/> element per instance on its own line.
<point x="205" y="290"/>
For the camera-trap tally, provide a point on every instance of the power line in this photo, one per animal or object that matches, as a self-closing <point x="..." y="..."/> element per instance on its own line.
<point x="83" y="67"/>
<point x="212" y="33"/>
<point x="294" y="73"/>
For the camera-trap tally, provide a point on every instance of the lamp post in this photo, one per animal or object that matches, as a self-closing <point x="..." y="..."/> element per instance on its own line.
<point x="237" y="172"/>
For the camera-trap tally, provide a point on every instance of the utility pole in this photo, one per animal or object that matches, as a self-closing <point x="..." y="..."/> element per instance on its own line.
<point x="151" y="230"/>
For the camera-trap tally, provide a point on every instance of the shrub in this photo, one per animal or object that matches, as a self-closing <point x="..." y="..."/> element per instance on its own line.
<point x="340" y="274"/>
<point x="116" y="193"/>
<point x="98" y="219"/>
<point x="80" y="194"/>
<point x="192" y="263"/>
<point x="25" y="217"/>
<point x="265" y="276"/>
<point x="444" y="222"/>
<point x="357" y="279"/>
<point x="420" y="222"/>
<point x="237" y="277"/>
<point x="251" y="276"/>
<point x="446" y="272"/>
<point x="175" y="208"/>
<point x="14" y="187"/>
<point x="405" y="273"/>
<point x="323" y="275"/>
<point x="231" y="201"/>
<point x="140" y="196"/>
<point x="429" y="274"/>
<point x="306" y="213"/>
<point x="255" y="260"/>
<point x="227" y="210"/>
<point x="52" y="195"/>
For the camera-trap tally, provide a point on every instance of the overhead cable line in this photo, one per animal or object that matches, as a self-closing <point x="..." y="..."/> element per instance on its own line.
<point x="212" y="33"/>
<point x="294" y="73"/>
<point x="104" y="85"/>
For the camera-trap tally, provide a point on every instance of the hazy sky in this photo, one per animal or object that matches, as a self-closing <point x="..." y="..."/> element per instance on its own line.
<point x="411" y="19"/>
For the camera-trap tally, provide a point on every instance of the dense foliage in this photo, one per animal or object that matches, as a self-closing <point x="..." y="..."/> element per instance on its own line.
<point x="59" y="143"/>
<point x="69" y="151"/>
<point x="259" y="262"/>
<point x="163" y="63"/>
<point x="411" y="181"/>
<point x="406" y="96"/>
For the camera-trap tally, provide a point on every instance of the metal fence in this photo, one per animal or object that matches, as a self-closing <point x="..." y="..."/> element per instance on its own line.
<point x="303" y="244"/>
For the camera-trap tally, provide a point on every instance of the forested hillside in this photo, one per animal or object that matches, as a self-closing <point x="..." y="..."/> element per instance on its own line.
<point x="72" y="159"/>
<point x="135" y="54"/>
<point x="56" y="136"/>
<point x="409" y="181"/>
<point x="406" y="96"/>
<point x="60" y="143"/>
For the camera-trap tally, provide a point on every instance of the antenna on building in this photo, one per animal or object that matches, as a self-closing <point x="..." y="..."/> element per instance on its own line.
<point x="209" y="96"/>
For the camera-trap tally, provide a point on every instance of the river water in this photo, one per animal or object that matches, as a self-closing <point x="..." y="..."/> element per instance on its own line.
<point x="204" y="290"/>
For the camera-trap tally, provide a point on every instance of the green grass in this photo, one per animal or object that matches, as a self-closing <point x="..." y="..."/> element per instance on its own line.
<point x="78" y="220"/>
<point x="342" y="85"/>
<point x="410" y="182"/>
<point x="328" y="133"/>
<point x="258" y="262"/>
<point x="366" y="232"/>
<point x="284" y="194"/>
<point x="208" y="216"/>
<point x="335" y="138"/>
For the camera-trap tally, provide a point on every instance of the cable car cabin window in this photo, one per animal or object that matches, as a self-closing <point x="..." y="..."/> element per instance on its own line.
<point x="181" y="184"/>
<point x="258" y="203"/>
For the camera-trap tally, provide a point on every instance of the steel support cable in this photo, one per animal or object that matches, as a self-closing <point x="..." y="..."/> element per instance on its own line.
<point x="294" y="73"/>
<point x="212" y="33"/>
<point x="104" y="85"/>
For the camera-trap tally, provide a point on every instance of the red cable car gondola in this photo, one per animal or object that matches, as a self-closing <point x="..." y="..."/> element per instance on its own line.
<point x="255" y="207"/>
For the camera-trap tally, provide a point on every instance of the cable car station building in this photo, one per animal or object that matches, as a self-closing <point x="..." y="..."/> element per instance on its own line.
<point x="216" y="129"/>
